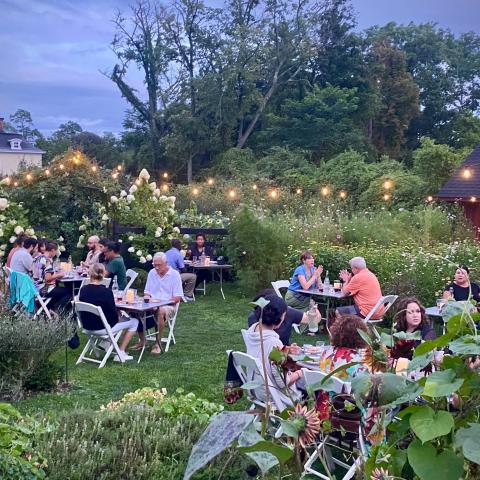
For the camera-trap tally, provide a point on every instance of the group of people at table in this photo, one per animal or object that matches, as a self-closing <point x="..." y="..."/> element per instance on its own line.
<point x="346" y="344"/>
<point x="164" y="283"/>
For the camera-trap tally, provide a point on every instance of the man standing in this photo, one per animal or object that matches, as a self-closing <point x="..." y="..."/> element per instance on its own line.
<point x="115" y="266"/>
<point x="93" y="251"/>
<point x="165" y="285"/>
<point x="22" y="260"/>
<point x="364" y="286"/>
<point x="175" y="260"/>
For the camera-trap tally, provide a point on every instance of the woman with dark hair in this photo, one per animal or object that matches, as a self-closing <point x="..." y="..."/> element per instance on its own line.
<point x="461" y="288"/>
<point x="411" y="318"/>
<point x="305" y="277"/>
<point x="273" y="316"/>
<point x="102" y="243"/>
<point x="292" y="316"/>
<point x="16" y="246"/>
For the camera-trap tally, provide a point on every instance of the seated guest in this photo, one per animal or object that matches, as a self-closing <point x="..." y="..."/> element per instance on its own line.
<point x="16" y="245"/>
<point x="60" y="296"/>
<point x="175" y="260"/>
<point x="305" y="277"/>
<point x="292" y="316"/>
<point x="115" y="264"/>
<point x="165" y="285"/>
<point x="22" y="259"/>
<point x="97" y="294"/>
<point x="93" y="252"/>
<point x="461" y="287"/>
<point x="363" y="285"/>
<point x="273" y="316"/>
<point x="39" y="261"/>
<point x="411" y="317"/>
<point x="199" y="248"/>
<point x="102" y="244"/>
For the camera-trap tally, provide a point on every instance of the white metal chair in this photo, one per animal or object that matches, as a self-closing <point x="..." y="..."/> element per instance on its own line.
<point x="171" y="327"/>
<point x="94" y="336"/>
<point x="336" y="385"/>
<point x="387" y="301"/>
<point x="280" y="284"/>
<point x="131" y="275"/>
<point x="86" y="281"/>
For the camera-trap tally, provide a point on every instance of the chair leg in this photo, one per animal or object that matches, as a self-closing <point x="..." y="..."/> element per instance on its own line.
<point x="113" y="346"/>
<point x="84" y="351"/>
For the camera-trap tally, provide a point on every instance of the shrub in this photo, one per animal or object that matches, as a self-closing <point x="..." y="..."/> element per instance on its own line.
<point x="26" y="345"/>
<point x="19" y="460"/>
<point x="132" y="442"/>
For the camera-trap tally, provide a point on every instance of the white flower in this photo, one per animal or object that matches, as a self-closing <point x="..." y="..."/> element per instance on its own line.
<point x="61" y="248"/>
<point x="18" y="230"/>
<point x="152" y="186"/>
<point x="163" y="197"/>
<point x="171" y="211"/>
<point x="131" y="249"/>
<point x="157" y="192"/>
<point x="60" y="239"/>
<point x="149" y="258"/>
<point x="30" y="232"/>
<point x="144" y="175"/>
<point x="104" y="217"/>
<point x="130" y="198"/>
<point x="171" y="199"/>
<point x="82" y="228"/>
<point x="12" y="239"/>
<point x="3" y="246"/>
<point x="154" y="199"/>
<point x="81" y="237"/>
<point x="114" y="199"/>
<point x="139" y="253"/>
<point x="1" y="232"/>
<point x="158" y="234"/>
<point x="133" y="189"/>
<point x="80" y="244"/>
<point x="176" y="230"/>
<point x="2" y="254"/>
<point x="2" y="218"/>
<point x="130" y="237"/>
<point x="3" y="203"/>
<point x="123" y="193"/>
<point x="142" y="260"/>
<point x="12" y="222"/>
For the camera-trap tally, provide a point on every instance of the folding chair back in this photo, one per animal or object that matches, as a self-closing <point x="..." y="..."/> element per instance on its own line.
<point x="387" y="301"/>
<point x="87" y="281"/>
<point x="131" y="275"/>
<point x="280" y="284"/>
<point x="8" y="274"/>
<point x="335" y="384"/>
<point x="95" y="335"/>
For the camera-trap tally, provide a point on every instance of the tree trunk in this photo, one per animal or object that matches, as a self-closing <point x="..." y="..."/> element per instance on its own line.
<point x="189" y="169"/>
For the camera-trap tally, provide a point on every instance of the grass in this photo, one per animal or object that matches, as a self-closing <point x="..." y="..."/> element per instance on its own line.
<point x="205" y="329"/>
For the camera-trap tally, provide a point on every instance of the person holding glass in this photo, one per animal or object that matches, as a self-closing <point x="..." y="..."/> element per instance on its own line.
<point x="305" y="277"/>
<point x="462" y="288"/>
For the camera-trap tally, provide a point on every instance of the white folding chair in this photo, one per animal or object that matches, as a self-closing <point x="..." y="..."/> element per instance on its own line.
<point x="280" y="284"/>
<point x="387" y="301"/>
<point x="336" y="385"/>
<point x="43" y="302"/>
<point x="131" y="275"/>
<point x="171" y="326"/>
<point x="86" y="281"/>
<point x="8" y="274"/>
<point x="94" y="336"/>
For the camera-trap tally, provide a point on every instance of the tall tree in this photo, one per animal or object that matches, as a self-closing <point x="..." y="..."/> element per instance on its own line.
<point x="23" y="123"/>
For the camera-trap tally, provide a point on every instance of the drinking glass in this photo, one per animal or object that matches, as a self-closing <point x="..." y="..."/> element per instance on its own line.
<point x="320" y="343"/>
<point x="440" y="303"/>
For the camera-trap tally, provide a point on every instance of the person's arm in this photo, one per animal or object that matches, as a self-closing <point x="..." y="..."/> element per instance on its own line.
<point x="306" y="284"/>
<point x="177" y="294"/>
<point x="147" y="291"/>
<point x="347" y="278"/>
<point x="304" y="317"/>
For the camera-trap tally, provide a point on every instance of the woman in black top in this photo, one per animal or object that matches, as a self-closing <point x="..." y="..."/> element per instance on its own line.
<point x="461" y="287"/>
<point x="101" y="296"/>
<point x="411" y="318"/>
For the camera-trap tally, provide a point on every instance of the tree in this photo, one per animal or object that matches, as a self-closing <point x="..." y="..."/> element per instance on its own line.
<point x="23" y="123"/>
<point x="396" y="98"/>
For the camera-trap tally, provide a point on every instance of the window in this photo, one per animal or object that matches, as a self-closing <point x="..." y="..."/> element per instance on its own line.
<point x="15" y="143"/>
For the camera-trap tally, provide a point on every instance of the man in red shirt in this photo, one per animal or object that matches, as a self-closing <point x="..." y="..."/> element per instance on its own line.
<point x="363" y="285"/>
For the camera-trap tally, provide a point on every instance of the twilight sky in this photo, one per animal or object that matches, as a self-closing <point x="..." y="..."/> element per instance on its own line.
<point x="52" y="52"/>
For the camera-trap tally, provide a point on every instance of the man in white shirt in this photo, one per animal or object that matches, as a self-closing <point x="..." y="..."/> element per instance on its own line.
<point x="164" y="284"/>
<point x="22" y="260"/>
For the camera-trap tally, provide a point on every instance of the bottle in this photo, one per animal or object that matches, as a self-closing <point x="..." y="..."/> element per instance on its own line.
<point x="326" y="283"/>
<point x="312" y="317"/>
<point x="69" y="265"/>
<point x="451" y="293"/>
<point x="202" y="258"/>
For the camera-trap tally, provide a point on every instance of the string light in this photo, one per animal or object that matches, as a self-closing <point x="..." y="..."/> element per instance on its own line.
<point x="165" y="175"/>
<point x="15" y="184"/>
<point x="343" y="195"/>
<point x="165" y="187"/>
<point x="232" y="193"/>
<point x="467" y="173"/>
<point x="94" y="168"/>
<point x="429" y="199"/>
<point x="473" y="199"/>
<point x="387" y="185"/>
<point x="8" y="180"/>
<point x="254" y="187"/>
<point x="114" y="175"/>
<point x="210" y="181"/>
<point x="47" y="172"/>
<point x="274" y="194"/>
<point x="61" y="166"/>
<point x="119" y="168"/>
<point x="387" y="197"/>
<point x="325" y="191"/>
<point x="195" y="191"/>
<point x="76" y="160"/>
<point x="299" y="191"/>
<point x="29" y="177"/>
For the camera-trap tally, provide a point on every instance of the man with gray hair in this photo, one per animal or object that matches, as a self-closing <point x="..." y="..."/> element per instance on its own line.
<point x="93" y="251"/>
<point x="364" y="286"/>
<point x="164" y="285"/>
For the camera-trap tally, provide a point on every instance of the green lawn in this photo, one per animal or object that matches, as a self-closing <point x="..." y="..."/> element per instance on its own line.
<point x="204" y="330"/>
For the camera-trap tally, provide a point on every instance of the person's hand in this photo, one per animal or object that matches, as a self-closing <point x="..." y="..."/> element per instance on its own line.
<point x="475" y="364"/>
<point x="345" y="275"/>
<point x="60" y="274"/>
<point x="319" y="271"/>
<point x="295" y="349"/>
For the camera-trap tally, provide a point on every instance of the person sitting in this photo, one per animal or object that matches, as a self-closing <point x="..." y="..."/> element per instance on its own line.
<point x="102" y="244"/>
<point x="39" y="261"/>
<point x="94" y="252"/>
<point x="22" y="259"/>
<point x="60" y="297"/>
<point x="292" y="316"/>
<point x="305" y="277"/>
<point x="272" y="318"/>
<point x="364" y="286"/>
<point x="411" y="318"/>
<point x="199" y="248"/>
<point x="97" y="294"/>
<point x="16" y="245"/>
<point x="163" y="285"/>
<point x="461" y="288"/>
<point x="115" y="266"/>
<point x="175" y="260"/>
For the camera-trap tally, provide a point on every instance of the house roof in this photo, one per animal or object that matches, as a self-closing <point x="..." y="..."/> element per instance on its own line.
<point x="26" y="147"/>
<point x="460" y="187"/>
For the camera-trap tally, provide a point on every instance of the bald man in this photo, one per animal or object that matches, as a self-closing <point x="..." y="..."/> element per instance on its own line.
<point x="93" y="251"/>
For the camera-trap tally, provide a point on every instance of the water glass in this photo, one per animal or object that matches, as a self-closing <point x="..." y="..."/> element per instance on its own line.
<point x="440" y="303"/>
<point x="320" y="343"/>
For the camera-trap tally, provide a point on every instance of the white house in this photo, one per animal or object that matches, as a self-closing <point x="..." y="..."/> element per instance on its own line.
<point x="15" y="150"/>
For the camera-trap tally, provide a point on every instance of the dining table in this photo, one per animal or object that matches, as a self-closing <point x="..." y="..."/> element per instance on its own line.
<point x="212" y="266"/>
<point x="329" y="295"/>
<point x="72" y="279"/>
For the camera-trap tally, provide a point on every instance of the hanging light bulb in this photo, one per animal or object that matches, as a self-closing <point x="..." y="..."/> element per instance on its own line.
<point x="61" y="166"/>
<point x="387" y="197"/>
<point x="29" y="177"/>
<point x="47" y="172"/>
<point x="165" y="187"/>
<point x="387" y="184"/>
<point x="473" y="199"/>
<point x="114" y="175"/>
<point x="274" y="194"/>
<point x="343" y="194"/>
<point x="195" y="191"/>
<point x="119" y="168"/>
<point x="299" y="191"/>
<point x="254" y="186"/>
<point x="165" y="175"/>
<point x="8" y="180"/>
<point x="325" y="191"/>
<point x="429" y="199"/>
<point x="15" y="184"/>
<point x="210" y="181"/>
<point x="467" y="173"/>
<point x="94" y="168"/>
<point x="232" y="193"/>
